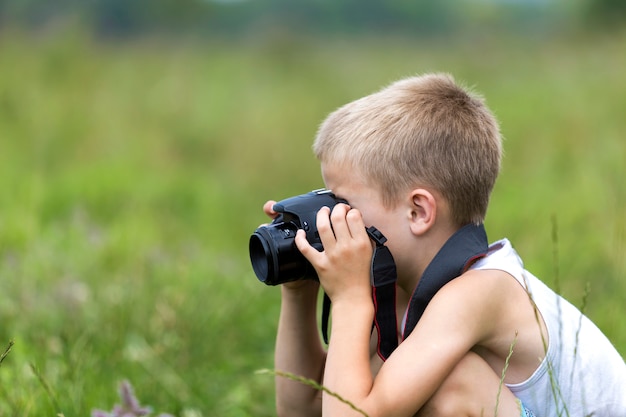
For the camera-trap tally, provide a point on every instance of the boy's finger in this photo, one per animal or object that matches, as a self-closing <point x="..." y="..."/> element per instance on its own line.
<point x="355" y="222"/>
<point x="268" y="208"/>
<point x="338" y="220"/>
<point x="303" y="245"/>
<point x="324" y="227"/>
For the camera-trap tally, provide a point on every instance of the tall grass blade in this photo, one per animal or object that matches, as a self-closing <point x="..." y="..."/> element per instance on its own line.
<point x="51" y="396"/>
<point x="6" y="351"/>
<point x="313" y="384"/>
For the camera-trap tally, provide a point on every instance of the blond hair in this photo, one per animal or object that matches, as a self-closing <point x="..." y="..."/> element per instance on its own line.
<point x="422" y="131"/>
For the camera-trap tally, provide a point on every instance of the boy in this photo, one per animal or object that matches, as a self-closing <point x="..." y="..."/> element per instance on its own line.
<point x="418" y="161"/>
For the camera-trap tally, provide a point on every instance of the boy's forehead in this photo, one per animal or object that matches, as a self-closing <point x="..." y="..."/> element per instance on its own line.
<point x="343" y="179"/>
<point x="334" y="174"/>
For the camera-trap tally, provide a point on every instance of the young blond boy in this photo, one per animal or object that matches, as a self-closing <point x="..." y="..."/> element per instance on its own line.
<point x="418" y="161"/>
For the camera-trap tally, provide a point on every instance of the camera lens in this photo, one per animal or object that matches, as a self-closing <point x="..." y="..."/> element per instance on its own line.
<point x="274" y="255"/>
<point x="261" y="257"/>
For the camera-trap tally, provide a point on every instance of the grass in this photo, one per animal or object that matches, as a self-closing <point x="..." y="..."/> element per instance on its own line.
<point x="132" y="175"/>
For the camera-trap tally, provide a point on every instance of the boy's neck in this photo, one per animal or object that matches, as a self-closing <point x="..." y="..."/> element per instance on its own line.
<point x="427" y="247"/>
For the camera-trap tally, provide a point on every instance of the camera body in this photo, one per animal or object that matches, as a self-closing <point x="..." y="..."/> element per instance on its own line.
<point x="273" y="252"/>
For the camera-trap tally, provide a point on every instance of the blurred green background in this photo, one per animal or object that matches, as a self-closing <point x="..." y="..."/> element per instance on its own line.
<point x="139" y="140"/>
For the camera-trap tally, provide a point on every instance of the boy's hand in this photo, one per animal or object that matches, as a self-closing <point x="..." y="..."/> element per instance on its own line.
<point x="344" y="266"/>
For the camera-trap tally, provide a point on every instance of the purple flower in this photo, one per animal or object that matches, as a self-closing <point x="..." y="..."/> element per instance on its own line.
<point x="130" y="405"/>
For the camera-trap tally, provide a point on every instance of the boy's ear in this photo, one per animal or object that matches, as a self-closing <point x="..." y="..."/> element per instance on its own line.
<point x="423" y="211"/>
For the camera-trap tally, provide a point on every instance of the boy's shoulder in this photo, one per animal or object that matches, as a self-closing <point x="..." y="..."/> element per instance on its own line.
<point x="470" y="311"/>
<point x="478" y="291"/>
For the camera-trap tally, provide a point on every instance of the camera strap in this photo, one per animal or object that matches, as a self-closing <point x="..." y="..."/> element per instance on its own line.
<point x="460" y="251"/>
<point x="383" y="280"/>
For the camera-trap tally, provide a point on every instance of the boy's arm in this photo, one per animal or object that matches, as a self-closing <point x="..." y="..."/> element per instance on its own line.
<point x="298" y="346"/>
<point x="298" y="350"/>
<point x="420" y="364"/>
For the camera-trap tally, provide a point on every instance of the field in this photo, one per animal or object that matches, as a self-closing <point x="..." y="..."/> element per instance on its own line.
<point x="132" y="175"/>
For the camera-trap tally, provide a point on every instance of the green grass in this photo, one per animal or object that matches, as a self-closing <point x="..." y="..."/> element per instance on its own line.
<point x="132" y="175"/>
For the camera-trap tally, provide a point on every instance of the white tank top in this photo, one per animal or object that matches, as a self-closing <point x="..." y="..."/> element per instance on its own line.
<point x="582" y="373"/>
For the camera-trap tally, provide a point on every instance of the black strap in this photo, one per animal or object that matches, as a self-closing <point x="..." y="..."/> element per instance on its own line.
<point x="383" y="279"/>
<point x="325" y="316"/>
<point x="457" y="254"/>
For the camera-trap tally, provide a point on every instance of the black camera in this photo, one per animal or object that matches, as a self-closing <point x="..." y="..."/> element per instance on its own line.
<point x="273" y="252"/>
